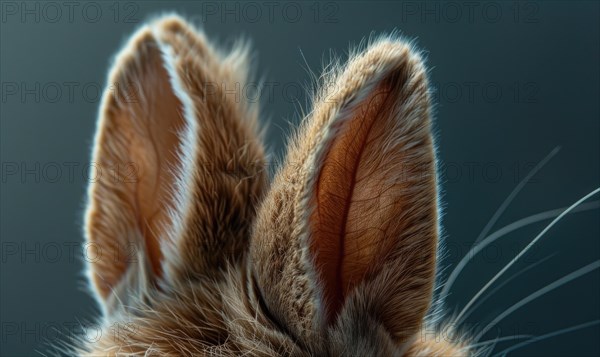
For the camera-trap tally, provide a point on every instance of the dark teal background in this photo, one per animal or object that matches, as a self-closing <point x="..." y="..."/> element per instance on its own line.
<point x="513" y="81"/>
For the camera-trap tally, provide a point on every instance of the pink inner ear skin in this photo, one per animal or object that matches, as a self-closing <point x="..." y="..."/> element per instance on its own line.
<point x="140" y="138"/>
<point x="357" y="198"/>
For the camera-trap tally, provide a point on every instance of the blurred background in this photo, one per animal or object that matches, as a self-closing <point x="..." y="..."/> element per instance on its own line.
<point x="512" y="81"/>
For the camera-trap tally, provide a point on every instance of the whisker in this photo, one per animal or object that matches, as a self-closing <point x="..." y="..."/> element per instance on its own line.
<point x="548" y="335"/>
<point x="558" y="283"/>
<point x="478" y="247"/>
<point x="523" y="251"/>
<point x="514" y="193"/>
<point x="500" y="339"/>
<point x="491" y="293"/>
<point x="487" y="351"/>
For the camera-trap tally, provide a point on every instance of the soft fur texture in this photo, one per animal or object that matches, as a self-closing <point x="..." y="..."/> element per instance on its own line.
<point x="199" y="255"/>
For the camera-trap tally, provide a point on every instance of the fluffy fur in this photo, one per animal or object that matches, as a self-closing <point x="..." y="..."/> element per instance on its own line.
<point x="337" y="256"/>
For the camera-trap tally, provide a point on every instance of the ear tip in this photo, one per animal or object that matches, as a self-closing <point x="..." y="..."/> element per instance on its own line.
<point x="153" y="30"/>
<point x="397" y="44"/>
<point x="173" y="23"/>
<point x="393" y="50"/>
<point x="146" y="42"/>
<point x="138" y="45"/>
<point x="169" y="20"/>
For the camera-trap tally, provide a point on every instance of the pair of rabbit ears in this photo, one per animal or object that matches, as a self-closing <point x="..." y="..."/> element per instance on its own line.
<point x="348" y="224"/>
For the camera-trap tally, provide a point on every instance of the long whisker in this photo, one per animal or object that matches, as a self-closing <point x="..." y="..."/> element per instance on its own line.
<point x="478" y="247"/>
<point x="491" y="293"/>
<point x="514" y="193"/>
<point x="522" y="252"/>
<point x="548" y="335"/>
<point x="487" y="351"/>
<point x="558" y="283"/>
<point x="500" y="339"/>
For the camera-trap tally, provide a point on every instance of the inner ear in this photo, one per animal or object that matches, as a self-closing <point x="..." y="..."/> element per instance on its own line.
<point x="139" y="142"/>
<point x="352" y="182"/>
<point x="154" y="148"/>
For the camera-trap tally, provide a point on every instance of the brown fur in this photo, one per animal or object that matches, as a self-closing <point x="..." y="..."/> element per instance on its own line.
<point x="336" y="257"/>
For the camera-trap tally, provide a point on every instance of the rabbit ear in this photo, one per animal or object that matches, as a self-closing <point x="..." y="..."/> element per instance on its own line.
<point x="177" y="164"/>
<point x="351" y="219"/>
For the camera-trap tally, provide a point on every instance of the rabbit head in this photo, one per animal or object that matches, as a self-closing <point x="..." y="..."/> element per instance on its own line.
<point x="197" y="253"/>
